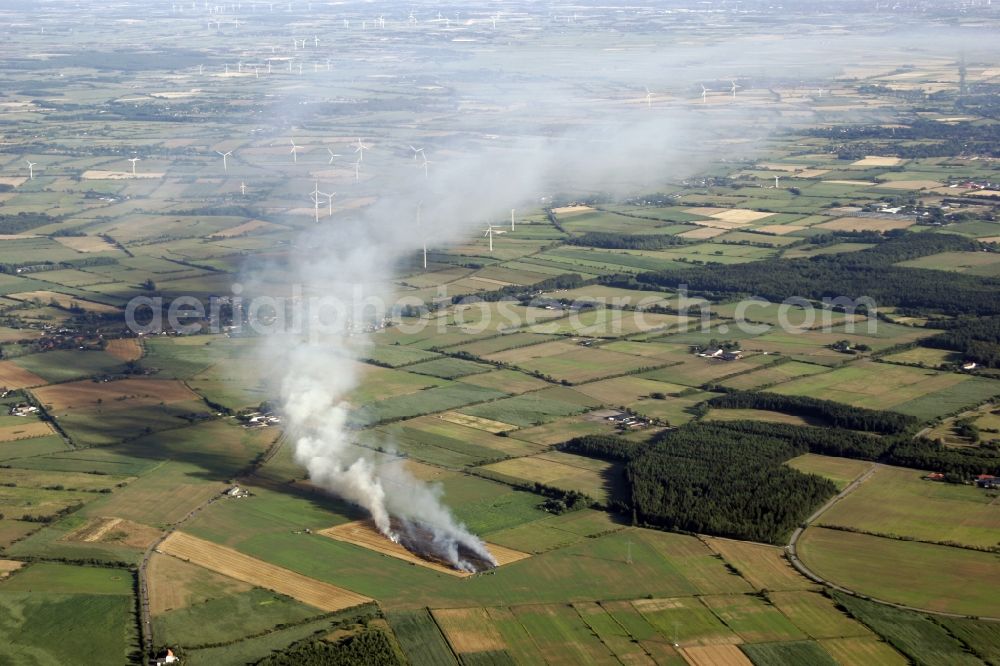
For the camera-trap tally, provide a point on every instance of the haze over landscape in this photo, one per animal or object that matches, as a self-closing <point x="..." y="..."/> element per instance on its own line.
<point x="499" y="333"/>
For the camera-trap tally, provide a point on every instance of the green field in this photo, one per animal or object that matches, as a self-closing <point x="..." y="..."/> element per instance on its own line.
<point x="899" y="502"/>
<point x="885" y="568"/>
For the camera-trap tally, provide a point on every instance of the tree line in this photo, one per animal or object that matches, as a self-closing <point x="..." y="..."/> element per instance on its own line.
<point x="868" y="273"/>
<point x="976" y="338"/>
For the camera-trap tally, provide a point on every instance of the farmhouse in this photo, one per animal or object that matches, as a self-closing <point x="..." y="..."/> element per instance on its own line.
<point x="168" y="658"/>
<point x="988" y="481"/>
<point x="732" y="355"/>
<point x="23" y="409"/>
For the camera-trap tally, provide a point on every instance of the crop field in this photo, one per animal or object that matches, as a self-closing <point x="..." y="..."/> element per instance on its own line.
<point x="57" y="612"/>
<point x="560" y="430"/>
<point x="120" y="394"/>
<point x="885" y="568"/>
<point x="534" y="408"/>
<point x="28" y="430"/>
<point x="899" y="502"/>
<point x="862" y="651"/>
<point x="770" y="375"/>
<point x="469" y="630"/>
<point x="596" y="478"/>
<point x="798" y="652"/>
<point x="714" y="655"/>
<point x="752" y="619"/>
<point x="816" y="615"/>
<point x="685" y="621"/>
<point x="881" y="386"/>
<point x="931" y="358"/>
<point x="58" y="366"/>
<point x="561" y="635"/>
<point x="421" y="638"/>
<point x="763" y="566"/>
<point x="839" y="470"/>
<point x="15" y="377"/>
<point x="125" y="349"/>
<point x="917" y="636"/>
<point x="759" y="415"/>
<point x="428" y="401"/>
<point x="585" y="364"/>
<point x="175" y="584"/>
<point x="236" y="565"/>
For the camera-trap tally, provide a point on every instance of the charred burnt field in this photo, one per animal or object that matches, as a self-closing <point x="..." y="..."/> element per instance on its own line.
<point x="416" y="545"/>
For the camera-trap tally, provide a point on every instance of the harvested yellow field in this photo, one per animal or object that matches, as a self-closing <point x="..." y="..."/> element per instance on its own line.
<point x="877" y="161"/>
<point x="175" y="584"/>
<point x="778" y="229"/>
<point x="8" y="566"/>
<point x="741" y="215"/>
<point x="864" y="224"/>
<point x="63" y="300"/>
<point x="702" y="233"/>
<point x="812" y="173"/>
<point x="16" y="377"/>
<point x="234" y="564"/>
<point x="120" y="394"/>
<point x="715" y="655"/>
<point x="13" y="181"/>
<point x="86" y="243"/>
<point x="98" y="174"/>
<point x="982" y="193"/>
<point x="862" y="651"/>
<point x="469" y="629"/>
<point x="363" y="533"/>
<point x="477" y="422"/>
<point x="115" y="530"/>
<point x="126" y="349"/>
<point x="27" y="431"/>
<point x="705" y="211"/>
<point x="859" y="183"/>
<point x="571" y="210"/>
<point x="720" y="224"/>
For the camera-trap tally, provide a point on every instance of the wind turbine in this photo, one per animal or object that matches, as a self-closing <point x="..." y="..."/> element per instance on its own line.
<point x="512" y="219"/>
<point x="776" y="182"/>
<point x="416" y="151"/>
<point x="735" y="88"/>
<point x="489" y="234"/>
<point x="201" y="69"/>
<point x="243" y="188"/>
<point x="332" y="155"/>
<point x="315" y="41"/>
<point x="295" y="152"/>
<point x="649" y="99"/>
<point x="31" y="169"/>
<point x="133" y="160"/>
<point x="315" y="197"/>
<point x="704" y="94"/>
<point x="357" y="171"/>
<point x="330" y="197"/>
<point x="225" y="159"/>
<point x="360" y="149"/>
<point x="426" y="172"/>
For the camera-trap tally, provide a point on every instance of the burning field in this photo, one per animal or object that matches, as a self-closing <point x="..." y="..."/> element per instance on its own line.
<point x="417" y="545"/>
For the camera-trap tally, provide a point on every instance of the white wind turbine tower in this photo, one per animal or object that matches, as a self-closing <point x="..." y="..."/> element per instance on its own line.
<point x="357" y="171"/>
<point x="295" y="152"/>
<point x="416" y="151"/>
<point x="776" y="182"/>
<point x="412" y="19"/>
<point x="360" y="149"/>
<point x="704" y="94"/>
<point x="330" y="198"/>
<point x="225" y="159"/>
<point x="649" y="99"/>
<point x="735" y="88"/>
<point x="315" y="197"/>
<point x="315" y="40"/>
<point x="243" y="188"/>
<point x="201" y="70"/>
<point x="512" y="219"/>
<point x="489" y="234"/>
<point x="133" y="160"/>
<point x="31" y="169"/>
